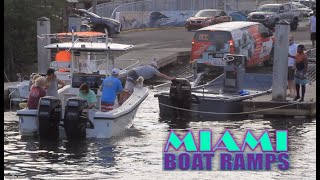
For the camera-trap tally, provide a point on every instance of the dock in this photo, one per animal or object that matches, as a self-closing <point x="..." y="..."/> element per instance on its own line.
<point x="264" y="106"/>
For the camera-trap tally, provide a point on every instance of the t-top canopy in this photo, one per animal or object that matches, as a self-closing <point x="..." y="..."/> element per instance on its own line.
<point x="90" y="46"/>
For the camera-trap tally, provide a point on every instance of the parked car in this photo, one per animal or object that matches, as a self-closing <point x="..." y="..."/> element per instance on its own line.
<point x="304" y="10"/>
<point x="206" y="17"/>
<point x="307" y="3"/>
<point x="238" y="16"/>
<point x="270" y="14"/>
<point x="98" y="23"/>
<point x="310" y="14"/>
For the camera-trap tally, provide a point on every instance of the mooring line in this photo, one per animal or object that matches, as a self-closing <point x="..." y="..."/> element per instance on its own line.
<point x="251" y="112"/>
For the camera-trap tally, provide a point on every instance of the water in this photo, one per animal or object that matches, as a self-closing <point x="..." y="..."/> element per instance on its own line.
<point x="138" y="153"/>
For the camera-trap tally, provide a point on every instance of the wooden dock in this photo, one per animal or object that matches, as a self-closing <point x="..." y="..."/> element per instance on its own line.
<point x="263" y="105"/>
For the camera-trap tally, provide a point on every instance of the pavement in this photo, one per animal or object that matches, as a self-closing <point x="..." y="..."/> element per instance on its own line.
<point x="289" y="108"/>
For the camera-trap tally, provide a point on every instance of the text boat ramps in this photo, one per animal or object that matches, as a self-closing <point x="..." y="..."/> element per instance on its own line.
<point x="66" y="115"/>
<point x="218" y="99"/>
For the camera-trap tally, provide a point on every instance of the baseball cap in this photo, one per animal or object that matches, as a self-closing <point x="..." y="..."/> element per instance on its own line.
<point x="50" y="71"/>
<point x="115" y="71"/>
<point x="301" y="46"/>
<point x="154" y="64"/>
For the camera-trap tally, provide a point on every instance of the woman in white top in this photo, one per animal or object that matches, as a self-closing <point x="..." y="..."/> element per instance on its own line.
<point x="291" y="68"/>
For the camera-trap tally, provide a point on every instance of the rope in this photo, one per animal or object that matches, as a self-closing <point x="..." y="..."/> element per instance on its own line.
<point x="6" y="75"/>
<point x="251" y="112"/>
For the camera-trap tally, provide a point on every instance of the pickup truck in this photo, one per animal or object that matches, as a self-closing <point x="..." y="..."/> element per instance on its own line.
<point x="270" y="14"/>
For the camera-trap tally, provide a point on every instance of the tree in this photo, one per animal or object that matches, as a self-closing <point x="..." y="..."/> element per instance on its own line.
<point x="20" y="32"/>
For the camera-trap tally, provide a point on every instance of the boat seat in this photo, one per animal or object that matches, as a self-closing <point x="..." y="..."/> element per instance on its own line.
<point x="66" y="96"/>
<point x="16" y="96"/>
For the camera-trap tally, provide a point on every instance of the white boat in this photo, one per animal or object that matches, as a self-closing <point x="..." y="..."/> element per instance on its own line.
<point x="66" y="115"/>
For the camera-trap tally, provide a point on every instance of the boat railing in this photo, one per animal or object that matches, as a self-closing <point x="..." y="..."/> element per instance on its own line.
<point x="78" y="36"/>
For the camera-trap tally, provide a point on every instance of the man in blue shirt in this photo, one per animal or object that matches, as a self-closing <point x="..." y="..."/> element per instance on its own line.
<point x="110" y="87"/>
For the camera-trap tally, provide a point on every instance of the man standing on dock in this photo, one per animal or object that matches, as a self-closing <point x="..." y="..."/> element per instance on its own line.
<point x="313" y="27"/>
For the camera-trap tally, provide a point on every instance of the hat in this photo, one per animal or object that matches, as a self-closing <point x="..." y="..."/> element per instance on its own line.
<point x="301" y="46"/>
<point x="154" y="64"/>
<point x="115" y="71"/>
<point x="50" y="71"/>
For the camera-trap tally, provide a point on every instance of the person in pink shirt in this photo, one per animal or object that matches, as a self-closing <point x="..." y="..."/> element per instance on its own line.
<point x="37" y="91"/>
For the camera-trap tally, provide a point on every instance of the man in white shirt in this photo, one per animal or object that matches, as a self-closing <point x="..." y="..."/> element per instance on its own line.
<point x="312" y="25"/>
<point x="292" y="52"/>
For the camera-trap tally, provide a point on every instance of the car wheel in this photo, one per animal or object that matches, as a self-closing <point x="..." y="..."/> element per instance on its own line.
<point x="294" y="25"/>
<point x="274" y="23"/>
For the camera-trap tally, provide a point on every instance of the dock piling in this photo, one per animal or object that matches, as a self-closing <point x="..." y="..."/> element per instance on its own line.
<point x="44" y="59"/>
<point x="280" y="64"/>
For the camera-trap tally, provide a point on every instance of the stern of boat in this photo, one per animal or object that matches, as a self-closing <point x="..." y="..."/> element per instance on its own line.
<point x="28" y="121"/>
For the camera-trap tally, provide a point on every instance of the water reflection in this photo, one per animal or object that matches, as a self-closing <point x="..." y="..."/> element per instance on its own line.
<point x="138" y="151"/>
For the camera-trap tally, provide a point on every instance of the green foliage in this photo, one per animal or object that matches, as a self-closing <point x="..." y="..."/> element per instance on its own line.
<point x="20" y="32"/>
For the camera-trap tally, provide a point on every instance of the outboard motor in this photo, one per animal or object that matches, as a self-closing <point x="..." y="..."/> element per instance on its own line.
<point x="49" y="116"/>
<point x="180" y="93"/>
<point x="75" y="120"/>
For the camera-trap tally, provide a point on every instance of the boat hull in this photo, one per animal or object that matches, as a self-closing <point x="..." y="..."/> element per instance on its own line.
<point x="206" y="109"/>
<point x="106" y="124"/>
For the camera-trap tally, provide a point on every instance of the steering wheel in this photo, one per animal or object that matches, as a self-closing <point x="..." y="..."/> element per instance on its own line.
<point x="228" y="58"/>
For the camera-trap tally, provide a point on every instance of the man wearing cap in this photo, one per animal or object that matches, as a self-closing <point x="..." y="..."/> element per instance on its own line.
<point x="146" y="71"/>
<point x="110" y="87"/>
<point x="52" y="83"/>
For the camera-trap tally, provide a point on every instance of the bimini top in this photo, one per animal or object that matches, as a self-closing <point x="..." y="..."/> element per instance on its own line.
<point x="89" y="46"/>
<point x="229" y="26"/>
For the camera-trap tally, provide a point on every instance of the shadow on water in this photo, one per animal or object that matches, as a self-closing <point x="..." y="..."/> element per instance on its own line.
<point x="182" y="120"/>
<point x="176" y="123"/>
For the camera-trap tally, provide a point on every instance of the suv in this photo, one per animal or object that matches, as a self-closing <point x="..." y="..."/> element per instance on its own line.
<point x="270" y="14"/>
<point x="207" y="17"/>
<point x="98" y="23"/>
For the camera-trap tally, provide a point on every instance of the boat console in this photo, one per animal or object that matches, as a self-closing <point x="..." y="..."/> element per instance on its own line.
<point x="93" y="80"/>
<point x="234" y="71"/>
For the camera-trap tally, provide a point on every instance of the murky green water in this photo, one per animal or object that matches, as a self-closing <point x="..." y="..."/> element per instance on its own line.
<point x="138" y="153"/>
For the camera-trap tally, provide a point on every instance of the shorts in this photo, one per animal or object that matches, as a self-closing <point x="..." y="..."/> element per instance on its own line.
<point x="131" y="78"/>
<point x="105" y="106"/>
<point x="290" y="73"/>
<point x="313" y="36"/>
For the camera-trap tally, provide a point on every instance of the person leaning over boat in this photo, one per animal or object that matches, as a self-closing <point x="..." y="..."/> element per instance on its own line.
<point x="110" y="87"/>
<point x="147" y="72"/>
<point x="86" y="93"/>
<point x="53" y="83"/>
<point x="37" y="91"/>
<point x="300" y="75"/>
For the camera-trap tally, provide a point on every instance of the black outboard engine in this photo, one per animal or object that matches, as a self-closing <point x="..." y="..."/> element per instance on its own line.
<point x="180" y="93"/>
<point x="75" y="120"/>
<point x="49" y="116"/>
